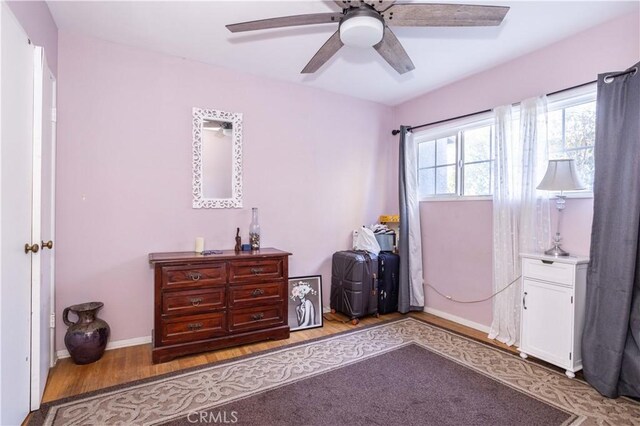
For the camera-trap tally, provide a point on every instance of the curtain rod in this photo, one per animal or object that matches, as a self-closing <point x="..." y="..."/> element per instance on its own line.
<point x="396" y="131"/>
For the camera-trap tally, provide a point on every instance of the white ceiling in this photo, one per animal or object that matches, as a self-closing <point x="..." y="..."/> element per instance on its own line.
<point x="196" y="30"/>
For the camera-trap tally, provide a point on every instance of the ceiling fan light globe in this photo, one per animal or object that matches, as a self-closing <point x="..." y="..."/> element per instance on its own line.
<point x="361" y="31"/>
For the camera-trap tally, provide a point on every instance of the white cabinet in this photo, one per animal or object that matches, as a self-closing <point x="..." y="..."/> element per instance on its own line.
<point x="552" y="313"/>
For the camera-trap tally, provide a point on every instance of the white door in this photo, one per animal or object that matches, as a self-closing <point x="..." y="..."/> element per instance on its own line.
<point x="42" y="227"/>
<point x="16" y="139"/>
<point x="546" y="322"/>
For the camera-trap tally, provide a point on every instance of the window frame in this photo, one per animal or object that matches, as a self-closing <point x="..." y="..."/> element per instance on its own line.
<point x="566" y="99"/>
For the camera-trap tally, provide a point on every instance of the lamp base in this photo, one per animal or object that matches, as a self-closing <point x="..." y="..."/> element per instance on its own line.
<point x="556" y="251"/>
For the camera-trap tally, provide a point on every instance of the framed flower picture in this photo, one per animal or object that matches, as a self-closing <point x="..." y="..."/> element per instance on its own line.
<point x="305" y="302"/>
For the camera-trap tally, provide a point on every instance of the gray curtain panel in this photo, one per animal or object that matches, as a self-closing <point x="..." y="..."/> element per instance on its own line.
<point x="407" y="202"/>
<point x="403" y="239"/>
<point x="611" y="338"/>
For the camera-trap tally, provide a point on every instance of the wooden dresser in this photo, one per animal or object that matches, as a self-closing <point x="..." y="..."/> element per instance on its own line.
<point x="210" y="302"/>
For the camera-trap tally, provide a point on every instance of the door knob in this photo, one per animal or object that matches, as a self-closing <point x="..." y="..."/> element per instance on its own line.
<point x="31" y="248"/>
<point x="48" y="244"/>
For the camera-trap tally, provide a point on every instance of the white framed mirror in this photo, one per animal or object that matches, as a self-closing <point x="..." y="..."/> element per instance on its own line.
<point x="217" y="159"/>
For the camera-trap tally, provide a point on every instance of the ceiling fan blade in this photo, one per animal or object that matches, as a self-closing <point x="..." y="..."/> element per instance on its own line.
<point x="380" y="5"/>
<point x="286" y="21"/>
<point x="393" y="52"/>
<point x="346" y="4"/>
<point x="328" y="49"/>
<point x="444" y="15"/>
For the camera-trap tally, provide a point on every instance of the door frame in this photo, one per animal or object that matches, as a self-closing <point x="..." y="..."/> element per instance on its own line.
<point x="41" y="71"/>
<point x="52" y="269"/>
<point x="36" y="210"/>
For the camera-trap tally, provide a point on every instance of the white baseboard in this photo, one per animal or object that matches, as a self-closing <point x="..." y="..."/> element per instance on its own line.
<point x="326" y="309"/>
<point x="459" y="320"/>
<point x="112" y="345"/>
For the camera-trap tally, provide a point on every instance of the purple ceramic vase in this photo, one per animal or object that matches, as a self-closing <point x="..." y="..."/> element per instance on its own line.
<point x="86" y="339"/>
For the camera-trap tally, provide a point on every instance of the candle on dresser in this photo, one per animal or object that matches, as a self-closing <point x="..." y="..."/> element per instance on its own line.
<point x="199" y="244"/>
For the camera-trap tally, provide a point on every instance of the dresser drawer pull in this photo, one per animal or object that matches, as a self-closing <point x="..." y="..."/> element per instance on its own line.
<point x="256" y="271"/>
<point x="257" y="317"/>
<point x="194" y="326"/>
<point x="257" y="292"/>
<point x="548" y="262"/>
<point x="194" y="276"/>
<point x="195" y="301"/>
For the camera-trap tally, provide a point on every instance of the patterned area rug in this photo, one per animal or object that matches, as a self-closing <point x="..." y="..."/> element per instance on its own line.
<point x="221" y="391"/>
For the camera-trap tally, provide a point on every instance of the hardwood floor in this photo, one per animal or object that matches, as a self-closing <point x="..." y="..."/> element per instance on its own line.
<point x="123" y="365"/>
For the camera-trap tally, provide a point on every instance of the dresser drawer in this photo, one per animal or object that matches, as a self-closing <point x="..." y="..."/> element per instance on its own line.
<point x="551" y="271"/>
<point x="192" y="275"/>
<point x="256" y="317"/>
<point x="256" y="270"/>
<point x="194" y="327"/>
<point x="193" y="301"/>
<point x="256" y="294"/>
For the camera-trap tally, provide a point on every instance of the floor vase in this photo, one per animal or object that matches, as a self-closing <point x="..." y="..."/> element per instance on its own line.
<point x="86" y="339"/>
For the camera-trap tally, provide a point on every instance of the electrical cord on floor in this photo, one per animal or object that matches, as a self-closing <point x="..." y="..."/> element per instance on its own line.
<point x="473" y="301"/>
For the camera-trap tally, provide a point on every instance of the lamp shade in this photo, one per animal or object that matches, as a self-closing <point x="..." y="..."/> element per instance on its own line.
<point x="561" y="175"/>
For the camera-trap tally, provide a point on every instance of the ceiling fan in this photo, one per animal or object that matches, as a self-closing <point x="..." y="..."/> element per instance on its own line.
<point x="365" y="23"/>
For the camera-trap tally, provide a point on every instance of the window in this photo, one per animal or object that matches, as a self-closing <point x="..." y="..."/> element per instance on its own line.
<point x="456" y="159"/>
<point x="458" y="162"/>
<point x="572" y="134"/>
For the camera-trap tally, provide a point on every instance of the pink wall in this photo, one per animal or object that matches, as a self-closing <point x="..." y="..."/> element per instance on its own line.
<point x="314" y="164"/>
<point x="36" y="20"/>
<point x="463" y="267"/>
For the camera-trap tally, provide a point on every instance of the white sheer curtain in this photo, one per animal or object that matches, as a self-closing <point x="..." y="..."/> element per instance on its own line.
<point x="520" y="213"/>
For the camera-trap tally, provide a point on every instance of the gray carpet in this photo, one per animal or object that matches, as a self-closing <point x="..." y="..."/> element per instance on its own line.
<point x="406" y="386"/>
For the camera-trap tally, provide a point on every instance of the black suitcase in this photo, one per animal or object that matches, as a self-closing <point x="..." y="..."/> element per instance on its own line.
<point x="354" y="287"/>
<point x="388" y="272"/>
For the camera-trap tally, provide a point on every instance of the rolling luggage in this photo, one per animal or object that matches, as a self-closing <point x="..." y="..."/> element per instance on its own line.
<point x="354" y="287"/>
<point x="388" y="272"/>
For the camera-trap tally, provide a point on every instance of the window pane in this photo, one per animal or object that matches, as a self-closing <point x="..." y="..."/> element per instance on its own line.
<point x="584" y="164"/>
<point x="426" y="182"/>
<point x="427" y="154"/>
<point x="477" y="144"/>
<point x="446" y="151"/>
<point x="580" y="125"/>
<point x="555" y="134"/>
<point x="477" y="179"/>
<point x="446" y="180"/>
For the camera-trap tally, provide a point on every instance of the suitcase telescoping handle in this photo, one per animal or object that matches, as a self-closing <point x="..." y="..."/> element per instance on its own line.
<point x="374" y="284"/>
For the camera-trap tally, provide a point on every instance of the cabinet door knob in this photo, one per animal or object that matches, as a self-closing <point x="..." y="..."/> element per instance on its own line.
<point x="524" y="300"/>
<point x="48" y="244"/>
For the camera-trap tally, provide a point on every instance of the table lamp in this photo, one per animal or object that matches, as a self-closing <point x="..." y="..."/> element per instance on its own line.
<point x="561" y="176"/>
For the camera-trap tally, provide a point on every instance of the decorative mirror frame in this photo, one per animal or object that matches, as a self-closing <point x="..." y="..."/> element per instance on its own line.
<point x="199" y="202"/>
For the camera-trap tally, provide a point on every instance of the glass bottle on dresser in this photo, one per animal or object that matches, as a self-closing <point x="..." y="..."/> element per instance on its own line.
<point x="254" y="230"/>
